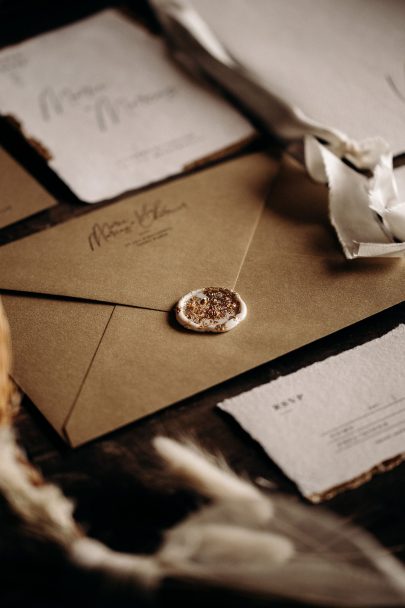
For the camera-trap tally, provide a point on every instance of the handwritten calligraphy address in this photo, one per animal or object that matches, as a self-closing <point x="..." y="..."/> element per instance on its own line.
<point x="142" y="218"/>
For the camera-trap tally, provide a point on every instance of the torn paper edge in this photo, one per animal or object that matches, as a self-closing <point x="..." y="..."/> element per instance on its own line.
<point x="356" y="482"/>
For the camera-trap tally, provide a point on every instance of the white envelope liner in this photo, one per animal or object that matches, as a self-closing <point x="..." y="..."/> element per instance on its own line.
<point x="333" y="421"/>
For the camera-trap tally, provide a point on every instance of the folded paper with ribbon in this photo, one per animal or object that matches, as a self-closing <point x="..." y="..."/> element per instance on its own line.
<point x="366" y="212"/>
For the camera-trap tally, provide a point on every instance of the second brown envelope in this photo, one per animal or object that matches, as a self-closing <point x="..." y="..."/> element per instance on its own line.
<point x="92" y="367"/>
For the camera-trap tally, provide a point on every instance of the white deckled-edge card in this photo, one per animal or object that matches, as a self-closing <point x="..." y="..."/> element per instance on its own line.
<point x="109" y="109"/>
<point x="332" y="422"/>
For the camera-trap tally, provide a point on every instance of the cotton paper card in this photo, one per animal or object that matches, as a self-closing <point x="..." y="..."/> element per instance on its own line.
<point x="109" y="109"/>
<point x="332" y="423"/>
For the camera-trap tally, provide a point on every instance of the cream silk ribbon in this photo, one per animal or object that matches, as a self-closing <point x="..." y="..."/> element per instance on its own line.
<point x="364" y="209"/>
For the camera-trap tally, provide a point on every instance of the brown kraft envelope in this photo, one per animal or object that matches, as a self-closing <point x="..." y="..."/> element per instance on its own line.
<point x="92" y="367"/>
<point x="20" y="196"/>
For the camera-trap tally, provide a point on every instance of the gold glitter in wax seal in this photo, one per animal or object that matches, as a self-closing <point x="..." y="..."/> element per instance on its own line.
<point x="211" y="309"/>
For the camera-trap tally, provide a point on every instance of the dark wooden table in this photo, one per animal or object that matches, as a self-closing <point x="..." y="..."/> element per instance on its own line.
<point x="118" y="500"/>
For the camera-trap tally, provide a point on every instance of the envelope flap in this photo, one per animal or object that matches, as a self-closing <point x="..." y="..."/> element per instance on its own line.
<point x="59" y="336"/>
<point x="149" y="249"/>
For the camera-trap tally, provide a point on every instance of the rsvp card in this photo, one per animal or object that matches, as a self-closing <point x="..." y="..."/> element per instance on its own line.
<point x="109" y="109"/>
<point x="335" y="422"/>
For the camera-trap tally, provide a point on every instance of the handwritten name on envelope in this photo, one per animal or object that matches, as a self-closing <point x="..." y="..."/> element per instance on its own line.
<point x="139" y="223"/>
<point x="334" y="421"/>
<point x="110" y="109"/>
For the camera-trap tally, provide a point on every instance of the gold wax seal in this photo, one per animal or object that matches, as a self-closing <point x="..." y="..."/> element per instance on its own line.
<point x="211" y="309"/>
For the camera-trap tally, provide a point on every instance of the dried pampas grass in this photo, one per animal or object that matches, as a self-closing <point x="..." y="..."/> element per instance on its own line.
<point x="8" y="394"/>
<point x="240" y="539"/>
